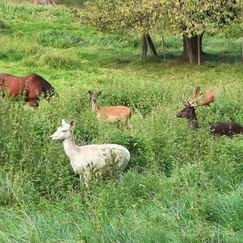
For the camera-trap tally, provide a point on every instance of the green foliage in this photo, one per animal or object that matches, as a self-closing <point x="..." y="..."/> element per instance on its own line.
<point x="67" y="39"/>
<point x="186" y="17"/>
<point x="138" y="149"/>
<point x="71" y="3"/>
<point x="3" y="26"/>
<point x="19" y="12"/>
<point x="235" y="30"/>
<point x="59" y="39"/>
<point x="180" y="185"/>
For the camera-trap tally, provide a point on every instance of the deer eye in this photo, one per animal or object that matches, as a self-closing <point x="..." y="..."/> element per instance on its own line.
<point x="63" y="130"/>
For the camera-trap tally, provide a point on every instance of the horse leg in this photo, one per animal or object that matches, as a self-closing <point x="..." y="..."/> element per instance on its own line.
<point x="33" y="102"/>
<point x="33" y="98"/>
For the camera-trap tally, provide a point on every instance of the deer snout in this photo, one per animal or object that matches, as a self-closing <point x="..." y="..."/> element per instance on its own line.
<point x="179" y="115"/>
<point x="53" y="137"/>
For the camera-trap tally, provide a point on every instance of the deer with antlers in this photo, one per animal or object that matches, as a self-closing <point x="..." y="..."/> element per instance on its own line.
<point x="218" y="128"/>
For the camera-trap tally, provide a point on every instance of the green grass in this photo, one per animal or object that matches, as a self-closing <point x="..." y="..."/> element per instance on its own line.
<point x="181" y="185"/>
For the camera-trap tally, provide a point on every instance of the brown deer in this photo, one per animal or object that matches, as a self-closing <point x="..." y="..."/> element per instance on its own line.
<point x="111" y="114"/>
<point x="218" y="128"/>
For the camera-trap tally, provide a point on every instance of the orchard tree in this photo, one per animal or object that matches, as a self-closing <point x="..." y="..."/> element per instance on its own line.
<point x="45" y="2"/>
<point x="190" y="18"/>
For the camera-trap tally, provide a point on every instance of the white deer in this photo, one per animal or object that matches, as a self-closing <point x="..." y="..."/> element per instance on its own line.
<point x="112" y="114"/>
<point x="92" y="159"/>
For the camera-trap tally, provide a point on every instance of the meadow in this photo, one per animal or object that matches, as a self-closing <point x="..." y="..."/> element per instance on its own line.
<point x="180" y="186"/>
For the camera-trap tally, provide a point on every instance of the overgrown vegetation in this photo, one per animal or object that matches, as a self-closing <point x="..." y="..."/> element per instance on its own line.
<point x="181" y="185"/>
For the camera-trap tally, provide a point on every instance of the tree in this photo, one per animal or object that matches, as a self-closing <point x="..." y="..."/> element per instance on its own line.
<point x="190" y="18"/>
<point x="45" y="2"/>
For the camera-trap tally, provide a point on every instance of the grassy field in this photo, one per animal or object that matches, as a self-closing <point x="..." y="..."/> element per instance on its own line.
<point x="181" y="185"/>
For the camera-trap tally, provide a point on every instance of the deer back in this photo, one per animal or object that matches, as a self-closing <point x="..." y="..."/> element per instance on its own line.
<point x="226" y="128"/>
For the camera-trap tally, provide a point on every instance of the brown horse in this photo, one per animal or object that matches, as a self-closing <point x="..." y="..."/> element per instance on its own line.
<point x="30" y="86"/>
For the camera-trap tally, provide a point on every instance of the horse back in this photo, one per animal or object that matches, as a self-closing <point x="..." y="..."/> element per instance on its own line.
<point x="32" y="84"/>
<point x="14" y="84"/>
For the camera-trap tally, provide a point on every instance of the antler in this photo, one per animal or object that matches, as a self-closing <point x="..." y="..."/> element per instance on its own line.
<point x="197" y="96"/>
<point x="209" y="97"/>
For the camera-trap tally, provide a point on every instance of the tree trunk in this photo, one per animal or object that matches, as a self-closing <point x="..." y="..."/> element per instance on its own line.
<point x="191" y="48"/>
<point x="199" y="48"/>
<point x="144" y="48"/>
<point x="242" y="49"/>
<point x="151" y="45"/>
<point x="163" y="46"/>
<point x="147" y="42"/>
<point x="45" y="2"/>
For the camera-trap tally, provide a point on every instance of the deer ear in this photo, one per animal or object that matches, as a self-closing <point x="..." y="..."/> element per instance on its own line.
<point x="90" y="93"/>
<point x="63" y="122"/>
<point x="72" y="123"/>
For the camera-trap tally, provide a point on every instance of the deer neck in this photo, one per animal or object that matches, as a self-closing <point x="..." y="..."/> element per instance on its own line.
<point x="193" y="124"/>
<point x="192" y="121"/>
<point x="95" y="107"/>
<point x="70" y="147"/>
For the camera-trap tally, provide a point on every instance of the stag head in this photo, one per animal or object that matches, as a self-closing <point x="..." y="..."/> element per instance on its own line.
<point x="189" y="110"/>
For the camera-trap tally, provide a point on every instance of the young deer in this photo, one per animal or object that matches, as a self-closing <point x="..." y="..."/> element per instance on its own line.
<point x="111" y="114"/>
<point x="219" y="128"/>
<point x="89" y="160"/>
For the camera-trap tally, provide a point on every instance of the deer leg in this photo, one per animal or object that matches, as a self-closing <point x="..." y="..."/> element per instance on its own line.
<point x="86" y="179"/>
<point x="128" y="123"/>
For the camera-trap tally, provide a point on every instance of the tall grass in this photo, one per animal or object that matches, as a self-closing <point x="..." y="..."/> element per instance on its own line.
<point x="180" y="186"/>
